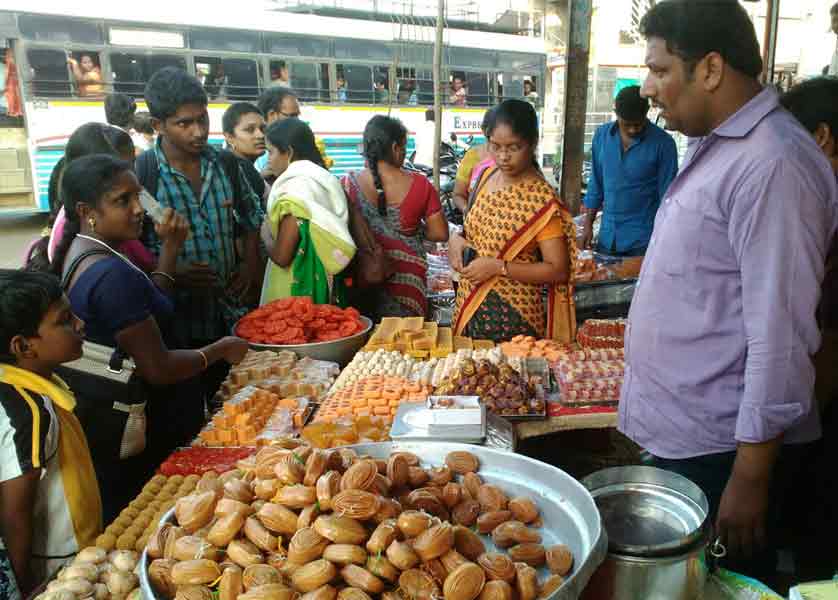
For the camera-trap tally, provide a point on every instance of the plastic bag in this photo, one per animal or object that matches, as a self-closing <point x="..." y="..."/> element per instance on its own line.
<point x="727" y="585"/>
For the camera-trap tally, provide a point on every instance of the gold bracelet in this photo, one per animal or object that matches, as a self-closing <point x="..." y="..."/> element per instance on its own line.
<point x="204" y="356"/>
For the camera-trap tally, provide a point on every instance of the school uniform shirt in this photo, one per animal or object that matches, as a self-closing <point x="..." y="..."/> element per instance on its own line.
<point x="212" y="219"/>
<point x="722" y="326"/>
<point x="29" y="435"/>
<point x="628" y="185"/>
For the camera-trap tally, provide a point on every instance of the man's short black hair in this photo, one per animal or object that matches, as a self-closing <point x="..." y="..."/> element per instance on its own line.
<point x="234" y="114"/>
<point x="272" y="98"/>
<point x="813" y="102"/>
<point x="630" y="105"/>
<point x="119" y="110"/>
<point x="25" y="299"/>
<point x="142" y="122"/>
<point x="169" y="89"/>
<point x="692" y="30"/>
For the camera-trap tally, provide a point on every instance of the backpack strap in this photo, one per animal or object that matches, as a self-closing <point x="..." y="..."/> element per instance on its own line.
<point x="148" y="170"/>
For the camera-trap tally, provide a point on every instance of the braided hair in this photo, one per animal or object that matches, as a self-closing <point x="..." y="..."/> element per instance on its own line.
<point x="379" y="136"/>
<point x="85" y="180"/>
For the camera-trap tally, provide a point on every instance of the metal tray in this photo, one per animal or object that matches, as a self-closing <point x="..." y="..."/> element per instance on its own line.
<point x="568" y="510"/>
<point x="340" y="351"/>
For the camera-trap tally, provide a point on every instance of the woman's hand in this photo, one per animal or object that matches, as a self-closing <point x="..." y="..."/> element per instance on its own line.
<point x="233" y="349"/>
<point x="267" y="234"/>
<point x="456" y="245"/>
<point x="482" y="269"/>
<point x="173" y="229"/>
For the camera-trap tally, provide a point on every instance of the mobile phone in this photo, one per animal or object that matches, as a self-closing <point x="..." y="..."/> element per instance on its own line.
<point x="469" y="254"/>
<point x="153" y="208"/>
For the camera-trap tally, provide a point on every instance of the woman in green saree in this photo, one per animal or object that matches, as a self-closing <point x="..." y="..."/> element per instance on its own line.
<point x="306" y="231"/>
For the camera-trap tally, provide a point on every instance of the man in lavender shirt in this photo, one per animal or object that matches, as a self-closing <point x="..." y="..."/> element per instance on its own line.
<point x="722" y="327"/>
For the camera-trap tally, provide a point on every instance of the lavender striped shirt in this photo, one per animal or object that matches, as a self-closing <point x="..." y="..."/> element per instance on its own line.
<point x="722" y="327"/>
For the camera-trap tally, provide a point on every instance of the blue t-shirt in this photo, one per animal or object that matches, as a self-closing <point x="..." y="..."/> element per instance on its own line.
<point x="110" y="296"/>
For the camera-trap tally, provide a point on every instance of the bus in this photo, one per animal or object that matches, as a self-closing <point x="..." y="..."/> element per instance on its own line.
<point x="239" y="53"/>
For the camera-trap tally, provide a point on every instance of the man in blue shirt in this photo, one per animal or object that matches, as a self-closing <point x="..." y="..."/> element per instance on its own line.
<point x="633" y="163"/>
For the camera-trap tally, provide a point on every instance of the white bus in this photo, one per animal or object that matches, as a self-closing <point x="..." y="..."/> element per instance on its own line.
<point x="245" y="50"/>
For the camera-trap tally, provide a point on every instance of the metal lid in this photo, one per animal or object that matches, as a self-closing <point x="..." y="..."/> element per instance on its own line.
<point x="648" y="511"/>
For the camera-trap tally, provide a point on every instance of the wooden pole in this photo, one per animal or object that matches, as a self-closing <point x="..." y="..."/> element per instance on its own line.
<point x="769" y="46"/>
<point x="576" y="102"/>
<point x="440" y="22"/>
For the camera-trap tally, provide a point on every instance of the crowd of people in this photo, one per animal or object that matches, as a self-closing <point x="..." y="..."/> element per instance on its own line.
<point x="156" y="254"/>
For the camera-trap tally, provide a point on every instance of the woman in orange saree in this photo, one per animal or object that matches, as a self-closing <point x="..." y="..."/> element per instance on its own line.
<point x="520" y="240"/>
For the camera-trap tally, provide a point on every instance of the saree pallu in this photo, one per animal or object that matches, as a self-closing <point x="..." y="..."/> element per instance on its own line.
<point x="506" y="224"/>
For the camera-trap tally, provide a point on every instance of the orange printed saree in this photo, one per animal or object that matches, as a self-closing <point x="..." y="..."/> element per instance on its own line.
<point x="508" y="224"/>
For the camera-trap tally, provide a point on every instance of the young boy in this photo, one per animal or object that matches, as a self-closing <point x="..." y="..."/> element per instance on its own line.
<point x="192" y="178"/>
<point x="49" y="497"/>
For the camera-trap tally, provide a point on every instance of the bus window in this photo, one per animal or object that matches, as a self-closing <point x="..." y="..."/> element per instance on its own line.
<point x="130" y="72"/>
<point x="87" y="73"/>
<point x="469" y="89"/>
<point x="359" y="83"/>
<point x="45" y="28"/>
<point x="363" y="50"/>
<point x="310" y="81"/>
<point x="48" y="74"/>
<point x="228" y="78"/>
<point x="297" y="45"/>
<point x="224" y="39"/>
<point x="381" y="85"/>
<point x="280" y="73"/>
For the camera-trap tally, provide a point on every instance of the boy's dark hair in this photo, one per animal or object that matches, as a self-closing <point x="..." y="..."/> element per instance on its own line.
<point x="119" y="110"/>
<point x="630" y="105"/>
<point x="169" y="89"/>
<point x="813" y="102"/>
<point x="85" y="180"/>
<point x="142" y="122"/>
<point x="382" y="80"/>
<point x="692" y="30"/>
<point x="430" y="115"/>
<point x="234" y="113"/>
<point x="25" y="298"/>
<point x="294" y="134"/>
<point x="272" y="98"/>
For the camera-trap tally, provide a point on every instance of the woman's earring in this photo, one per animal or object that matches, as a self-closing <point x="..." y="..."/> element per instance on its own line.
<point x="92" y="222"/>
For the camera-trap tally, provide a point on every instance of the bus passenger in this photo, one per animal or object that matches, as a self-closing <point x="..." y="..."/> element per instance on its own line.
<point x="458" y="92"/>
<point x="142" y="126"/>
<point x="214" y="285"/>
<point x="279" y="74"/>
<point x="403" y="210"/>
<point x="306" y="230"/>
<point x="244" y="132"/>
<point x="120" y="111"/>
<point x="341" y="88"/>
<point x="88" y="75"/>
<point x="276" y="103"/>
<point x="381" y="94"/>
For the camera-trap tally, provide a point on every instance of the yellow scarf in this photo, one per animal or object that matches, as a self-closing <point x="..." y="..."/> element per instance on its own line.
<point x="77" y="475"/>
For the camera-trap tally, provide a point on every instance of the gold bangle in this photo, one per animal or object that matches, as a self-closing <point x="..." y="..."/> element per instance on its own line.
<point x="204" y="356"/>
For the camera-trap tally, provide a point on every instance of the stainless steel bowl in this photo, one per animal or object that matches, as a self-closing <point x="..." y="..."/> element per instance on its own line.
<point x="568" y="510"/>
<point x="339" y="351"/>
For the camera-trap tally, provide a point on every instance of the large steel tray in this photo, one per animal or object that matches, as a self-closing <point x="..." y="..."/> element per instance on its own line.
<point x="569" y="513"/>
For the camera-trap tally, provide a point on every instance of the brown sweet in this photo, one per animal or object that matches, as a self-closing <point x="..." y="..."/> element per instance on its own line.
<point x="325" y="592"/>
<point x="341" y="530"/>
<point x="278" y="519"/>
<point x="173" y="534"/>
<point x="195" y="572"/>
<point x="451" y="560"/>
<point x="228" y="506"/>
<point x="417" y="477"/>
<point x="244" y="553"/>
<point x="383" y="568"/>
<point x="523" y="509"/>
<point x="466" y="513"/>
<point x="487" y="522"/>
<point x="289" y="470"/>
<point x="226" y="529"/>
<point x="195" y="511"/>
<point x="357" y="504"/>
<point x="384" y="535"/>
<point x="315" y="466"/>
<point x="452" y="494"/>
<point x="313" y="575"/>
<point x="328" y="486"/>
<point x="308" y="516"/>
<point x="259" y="535"/>
<point x="440" y="476"/>
<point x="256" y="575"/>
<point x="418" y="585"/>
<point x="360" y="476"/>
<point x="497" y="566"/>
<point x="531" y="554"/>
<point x="360" y="578"/>
<point x="398" y="470"/>
<point x="552" y="583"/>
<point x="191" y="547"/>
<point x="344" y="554"/>
<point x="238" y="490"/>
<point x="465" y="583"/>
<point x="402" y="555"/>
<point x="193" y="592"/>
<point x="160" y="577"/>
<point x="461" y="462"/>
<point x="351" y="593"/>
<point x="434" y="542"/>
<point x="496" y="590"/>
<point x="265" y="489"/>
<point x="296" y="496"/>
<point x="412" y="459"/>
<point x="270" y="591"/>
<point x="509" y="533"/>
<point x="559" y="559"/>
<point x="157" y="541"/>
<point x="413" y="522"/>
<point x="306" y="546"/>
<point x="472" y="483"/>
<point x="491" y="498"/>
<point x="231" y="584"/>
<point x="468" y="543"/>
<point x="427" y="500"/>
<point x="526" y="581"/>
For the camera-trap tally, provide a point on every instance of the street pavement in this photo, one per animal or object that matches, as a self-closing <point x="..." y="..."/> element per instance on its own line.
<point x="16" y="233"/>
